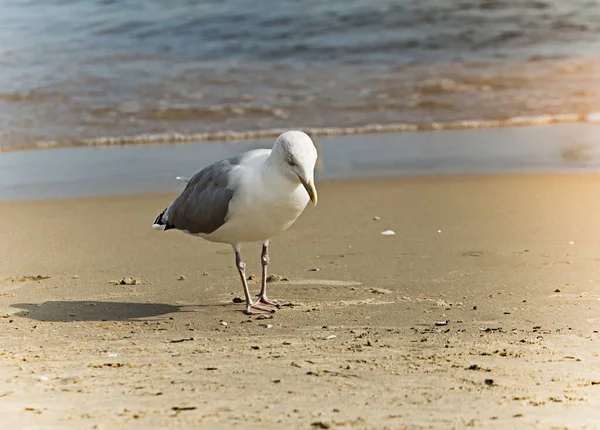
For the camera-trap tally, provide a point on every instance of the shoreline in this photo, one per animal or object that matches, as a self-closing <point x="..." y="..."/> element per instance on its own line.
<point x="176" y="138"/>
<point x="142" y="169"/>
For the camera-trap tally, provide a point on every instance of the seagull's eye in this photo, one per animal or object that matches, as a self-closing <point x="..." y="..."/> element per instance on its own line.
<point x="291" y="162"/>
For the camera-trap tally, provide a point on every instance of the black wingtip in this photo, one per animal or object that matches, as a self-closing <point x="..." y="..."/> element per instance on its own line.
<point x="159" y="221"/>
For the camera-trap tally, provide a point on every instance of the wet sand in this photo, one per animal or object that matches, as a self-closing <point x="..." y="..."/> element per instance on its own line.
<point x="482" y="310"/>
<point x="152" y="168"/>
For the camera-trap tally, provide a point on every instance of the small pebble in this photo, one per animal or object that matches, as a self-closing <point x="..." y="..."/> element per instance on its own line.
<point x="275" y="278"/>
<point x="264" y="317"/>
<point x="331" y="336"/>
<point x="126" y="281"/>
<point x="223" y="323"/>
<point x="388" y="233"/>
<point x="376" y="218"/>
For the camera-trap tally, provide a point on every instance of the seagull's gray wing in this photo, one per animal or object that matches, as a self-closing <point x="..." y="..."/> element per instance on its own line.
<point x="203" y="205"/>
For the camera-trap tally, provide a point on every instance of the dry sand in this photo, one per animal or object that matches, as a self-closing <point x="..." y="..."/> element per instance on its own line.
<point x="482" y="310"/>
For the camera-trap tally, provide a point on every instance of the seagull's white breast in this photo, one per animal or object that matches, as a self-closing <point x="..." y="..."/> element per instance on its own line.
<point x="265" y="203"/>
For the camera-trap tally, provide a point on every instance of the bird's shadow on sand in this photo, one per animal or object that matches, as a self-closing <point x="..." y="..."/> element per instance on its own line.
<point x="70" y="311"/>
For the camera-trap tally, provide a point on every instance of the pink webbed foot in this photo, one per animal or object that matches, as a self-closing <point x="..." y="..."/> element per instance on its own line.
<point x="259" y="308"/>
<point x="276" y="303"/>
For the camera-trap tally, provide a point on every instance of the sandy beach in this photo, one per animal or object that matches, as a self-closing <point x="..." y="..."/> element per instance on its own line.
<point x="466" y="131"/>
<point x="481" y="311"/>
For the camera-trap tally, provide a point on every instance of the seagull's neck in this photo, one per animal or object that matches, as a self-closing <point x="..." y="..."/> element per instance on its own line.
<point x="272" y="164"/>
<point x="273" y="167"/>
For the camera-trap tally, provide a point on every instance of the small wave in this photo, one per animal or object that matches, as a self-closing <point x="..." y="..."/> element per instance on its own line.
<point x="32" y="96"/>
<point x="228" y="136"/>
<point x="212" y="112"/>
<point x="445" y="85"/>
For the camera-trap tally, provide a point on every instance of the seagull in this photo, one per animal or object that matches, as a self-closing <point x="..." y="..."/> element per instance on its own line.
<point x="248" y="198"/>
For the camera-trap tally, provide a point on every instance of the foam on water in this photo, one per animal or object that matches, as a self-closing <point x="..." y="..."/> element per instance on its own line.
<point x="229" y="136"/>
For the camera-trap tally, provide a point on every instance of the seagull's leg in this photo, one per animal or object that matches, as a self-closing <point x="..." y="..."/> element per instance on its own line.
<point x="264" y="259"/>
<point x="251" y="308"/>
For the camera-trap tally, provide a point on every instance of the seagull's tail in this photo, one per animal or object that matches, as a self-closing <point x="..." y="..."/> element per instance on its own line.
<point x="160" y="223"/>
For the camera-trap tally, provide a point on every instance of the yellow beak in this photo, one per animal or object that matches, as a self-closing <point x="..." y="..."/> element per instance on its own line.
<point x="310" y="189"/>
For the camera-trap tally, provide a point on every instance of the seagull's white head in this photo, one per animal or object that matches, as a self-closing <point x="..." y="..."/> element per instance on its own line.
<point x="295" y="153"/>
